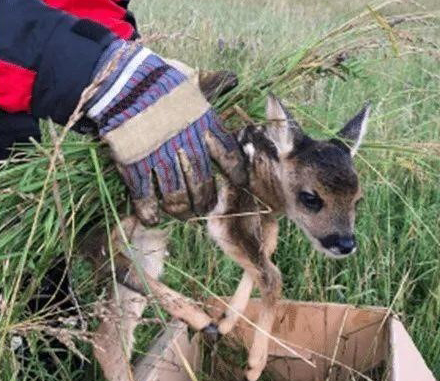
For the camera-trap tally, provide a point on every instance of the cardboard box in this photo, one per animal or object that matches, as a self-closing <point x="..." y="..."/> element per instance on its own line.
<point x="341" y="340"/>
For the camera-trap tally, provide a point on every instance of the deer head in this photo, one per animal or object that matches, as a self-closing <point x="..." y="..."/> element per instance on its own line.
<point x="314" y="182"/>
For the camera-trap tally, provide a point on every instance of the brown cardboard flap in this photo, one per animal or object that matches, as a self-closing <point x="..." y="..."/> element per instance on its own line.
<point x="356" y="338"/>
<point x="163" y="361"/>
<point x="408" y="364"/>
<point x="342" y="341"/>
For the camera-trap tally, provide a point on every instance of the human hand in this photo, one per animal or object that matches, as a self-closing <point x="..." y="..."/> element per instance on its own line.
<point x="163" y="134"/>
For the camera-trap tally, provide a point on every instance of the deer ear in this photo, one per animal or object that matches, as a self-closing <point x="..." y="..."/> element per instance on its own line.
<point x="354" y="131"/>
<point x="281" y="129"/>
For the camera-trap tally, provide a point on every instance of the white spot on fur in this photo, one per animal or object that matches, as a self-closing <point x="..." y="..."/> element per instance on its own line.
<point x="249" y="150"/>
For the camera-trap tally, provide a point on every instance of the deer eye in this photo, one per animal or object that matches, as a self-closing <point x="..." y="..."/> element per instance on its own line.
<point x="311" y="201"/>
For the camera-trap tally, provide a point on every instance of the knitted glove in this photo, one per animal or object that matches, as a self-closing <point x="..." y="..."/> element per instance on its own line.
<point x="162" y="131"/>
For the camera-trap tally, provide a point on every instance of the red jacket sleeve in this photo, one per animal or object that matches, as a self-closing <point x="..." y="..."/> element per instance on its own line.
<point x="109" y="13"/>
<point x="48" y="51"/>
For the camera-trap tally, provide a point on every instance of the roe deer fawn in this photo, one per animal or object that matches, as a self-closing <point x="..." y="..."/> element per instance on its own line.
<point x="313" y="182"/>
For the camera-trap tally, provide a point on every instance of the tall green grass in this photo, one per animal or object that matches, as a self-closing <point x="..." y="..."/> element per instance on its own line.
<point x="285" y="47"/>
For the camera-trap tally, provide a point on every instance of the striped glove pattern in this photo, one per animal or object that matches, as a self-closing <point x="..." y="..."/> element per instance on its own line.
<point x="162" y="131"/>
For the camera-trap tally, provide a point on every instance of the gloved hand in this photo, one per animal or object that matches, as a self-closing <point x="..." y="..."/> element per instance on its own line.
<point x="161" y="130"/>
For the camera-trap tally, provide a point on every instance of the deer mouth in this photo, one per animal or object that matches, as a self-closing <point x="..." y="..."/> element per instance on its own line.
<point x="331" y="252"/>
<point x="332" y="246"/>
<point x="335" y="251"/>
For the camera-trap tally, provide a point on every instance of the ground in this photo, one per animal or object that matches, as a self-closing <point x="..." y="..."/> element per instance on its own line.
<point x="398" y="223"/>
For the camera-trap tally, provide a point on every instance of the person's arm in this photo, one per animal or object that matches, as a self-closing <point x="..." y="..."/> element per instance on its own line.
<point x="47" y="58"/>
<point x="112" y="14"/>
<point x="16" y="128"/>
<point x="153" y="116"/>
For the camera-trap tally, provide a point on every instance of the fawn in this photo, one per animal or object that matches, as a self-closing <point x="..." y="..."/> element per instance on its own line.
<point x="313" y="182"/>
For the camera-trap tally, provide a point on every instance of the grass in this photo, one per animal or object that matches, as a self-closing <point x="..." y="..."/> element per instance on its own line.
<point x="398" y="224"/>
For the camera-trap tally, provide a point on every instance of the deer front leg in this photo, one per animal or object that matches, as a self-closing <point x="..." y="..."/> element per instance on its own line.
<point x="114" y="338"/>
<point x="237" y="304"/>
<point x="144" y="258"/>
<point x="174" y="303"/>
<point x="268" y="278"/>
<point x="270" y="285"/>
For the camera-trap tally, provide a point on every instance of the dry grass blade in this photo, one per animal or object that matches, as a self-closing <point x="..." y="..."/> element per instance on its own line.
<point x="338" y="341"/>
<point x="382" y="21"/>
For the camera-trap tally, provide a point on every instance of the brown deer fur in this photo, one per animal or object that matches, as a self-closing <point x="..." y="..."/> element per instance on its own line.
<point x="312" y="182"/>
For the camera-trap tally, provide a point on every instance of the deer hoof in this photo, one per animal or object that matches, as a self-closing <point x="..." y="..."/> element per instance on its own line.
<point x="226" y="325"/>
<point x="211" y="333"/>
<point x="253" y="374"/>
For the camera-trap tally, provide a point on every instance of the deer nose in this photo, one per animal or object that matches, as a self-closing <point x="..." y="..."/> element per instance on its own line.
<point x="346" y="245"/>
<point x="339" y="245"/>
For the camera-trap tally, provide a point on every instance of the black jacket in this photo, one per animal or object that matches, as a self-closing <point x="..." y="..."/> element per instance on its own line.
<point x="47" y="57"/>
